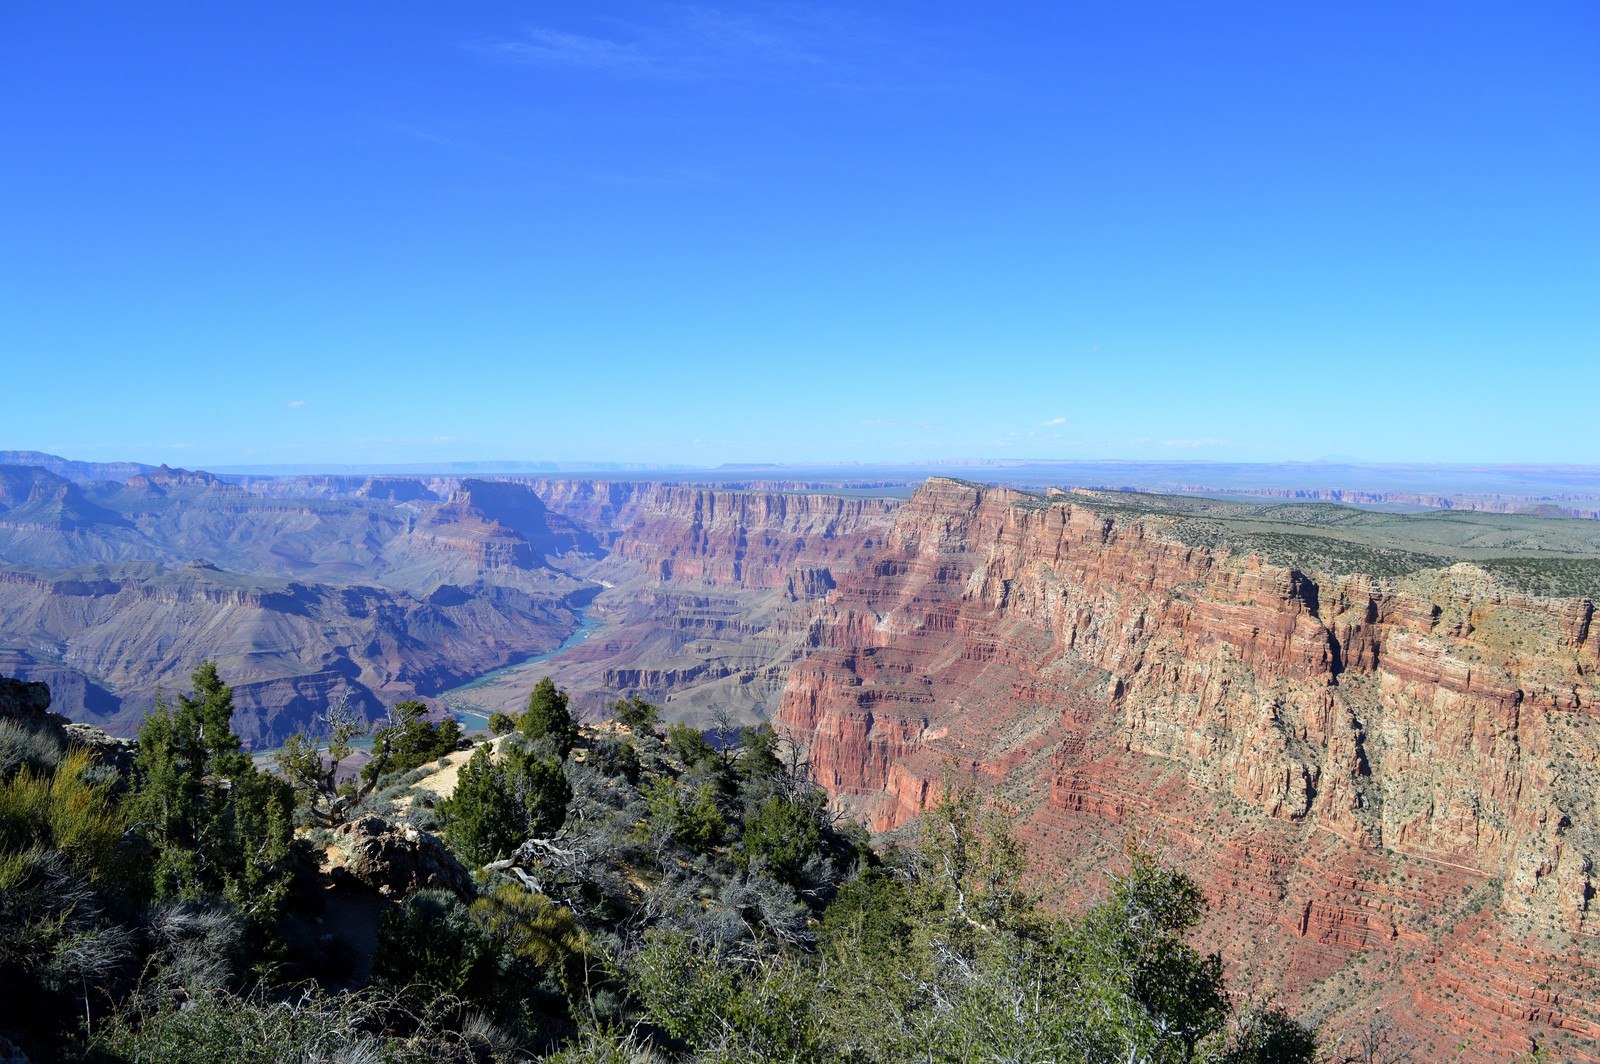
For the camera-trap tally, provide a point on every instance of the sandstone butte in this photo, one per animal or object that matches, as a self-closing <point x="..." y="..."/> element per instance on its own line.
<point x="1386" y="787"/>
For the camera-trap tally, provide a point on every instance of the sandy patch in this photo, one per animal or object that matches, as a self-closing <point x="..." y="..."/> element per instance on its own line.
<point x="441" y="779"/>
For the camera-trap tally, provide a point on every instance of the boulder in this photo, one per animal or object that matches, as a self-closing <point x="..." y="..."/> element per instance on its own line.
<point x="394" y="859"/>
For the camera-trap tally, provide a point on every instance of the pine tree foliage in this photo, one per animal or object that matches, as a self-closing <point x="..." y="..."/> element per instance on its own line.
<point x="409" y="740"/>
<point x="780" y="835"/>
<point x="497" y="805"/>
<point x="636" y="714"/>
<point x="480" y="818"/>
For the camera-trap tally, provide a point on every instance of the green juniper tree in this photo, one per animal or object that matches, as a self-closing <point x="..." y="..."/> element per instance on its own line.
<point x="480" y="818"/>
<point x="216" y="823"/>
<point x="547" y="716"/>
<point x="637" y="715"/>
<point x="409" y="740"/>
<point x="499" y="804"/>
<point x="781" y="836"/>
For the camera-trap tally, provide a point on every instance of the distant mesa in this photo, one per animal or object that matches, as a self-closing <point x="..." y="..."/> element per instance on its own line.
<point x="79" y="472"/>
<point x="165" y="479"/>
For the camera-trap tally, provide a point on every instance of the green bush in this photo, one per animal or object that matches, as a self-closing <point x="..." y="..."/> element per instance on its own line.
<point x="674" y="814"/>
<point x="497" y="805"/>
<point x="409" y="741"/>
<point x="432" y="940"/>
<point x="616" y="757"/>
<point x="759" y="760"/>
<point x="65" y="810"/>
<point x="688" y="745"/>
<point x="637" y="715"/>
<point x="60" y="866"/>
<point x="760" y="1013"/>
<point x="547" y="717"/>
<point x="781" y="836"/>
<point x="481" y="819"/>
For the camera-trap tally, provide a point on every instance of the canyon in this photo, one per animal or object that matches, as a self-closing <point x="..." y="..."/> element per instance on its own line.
<point x="1371" y="738"/>
<point x="310" y="589"/>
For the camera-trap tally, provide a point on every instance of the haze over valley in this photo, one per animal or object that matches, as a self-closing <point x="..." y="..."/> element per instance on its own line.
<point x="305" y="588"/>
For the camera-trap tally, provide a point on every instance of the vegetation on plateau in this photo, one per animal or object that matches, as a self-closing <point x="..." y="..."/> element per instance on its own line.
<point x="635" y="893"/>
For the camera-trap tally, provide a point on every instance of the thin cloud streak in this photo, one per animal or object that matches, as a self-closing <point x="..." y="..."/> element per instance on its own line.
<point x="822" y="49"/>
<point x="547" y="47"/>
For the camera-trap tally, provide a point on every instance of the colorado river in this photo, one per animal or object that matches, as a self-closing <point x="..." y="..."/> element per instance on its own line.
<point x="458" y="700"/>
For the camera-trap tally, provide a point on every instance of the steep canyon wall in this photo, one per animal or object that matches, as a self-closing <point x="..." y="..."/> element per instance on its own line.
<point x="1386" y="786"/>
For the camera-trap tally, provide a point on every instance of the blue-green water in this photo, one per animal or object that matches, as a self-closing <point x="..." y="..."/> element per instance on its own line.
<point x="459" y="701"/>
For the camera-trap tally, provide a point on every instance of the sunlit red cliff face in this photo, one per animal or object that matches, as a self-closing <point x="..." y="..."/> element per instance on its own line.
<point x="1387" y="788"/>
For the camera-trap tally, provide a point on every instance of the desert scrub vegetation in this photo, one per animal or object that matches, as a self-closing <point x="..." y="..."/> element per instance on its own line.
<point x="636" y="894"/>
<point x="1533" y="555"/>
<point x="1551" y="577"/>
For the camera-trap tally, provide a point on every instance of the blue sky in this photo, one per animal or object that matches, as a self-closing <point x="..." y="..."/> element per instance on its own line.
<point x="401" y="232"/>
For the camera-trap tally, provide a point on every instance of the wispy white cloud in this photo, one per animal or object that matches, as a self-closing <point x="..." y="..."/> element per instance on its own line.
<point x="294" y="404"/>
<point x="1055" y="421"/>
<point x="547" y="47"/>
<point x="827" y="48"/>
<point x="418" y="133"/>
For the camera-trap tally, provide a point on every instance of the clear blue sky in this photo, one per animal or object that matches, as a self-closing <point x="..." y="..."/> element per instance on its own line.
<point x="405" y="231"/>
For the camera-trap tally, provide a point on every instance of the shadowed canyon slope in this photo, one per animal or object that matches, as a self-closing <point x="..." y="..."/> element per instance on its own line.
<point x="704" y="592"/>
<point x="1382" y="768"/>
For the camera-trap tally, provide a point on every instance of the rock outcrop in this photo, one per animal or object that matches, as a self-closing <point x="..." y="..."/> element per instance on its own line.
<point x="393" y="860"/>
<point x="1386" y="785"/>
<point x="26" y="705"/>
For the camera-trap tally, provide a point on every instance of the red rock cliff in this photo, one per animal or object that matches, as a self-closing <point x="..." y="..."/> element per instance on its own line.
<point x="1386" y="787"/>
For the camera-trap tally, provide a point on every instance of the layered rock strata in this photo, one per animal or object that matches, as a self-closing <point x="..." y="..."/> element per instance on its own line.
<point x="113" y="592"/>
<point x="1387" y="786"/>
<point x="707" y="592"/>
